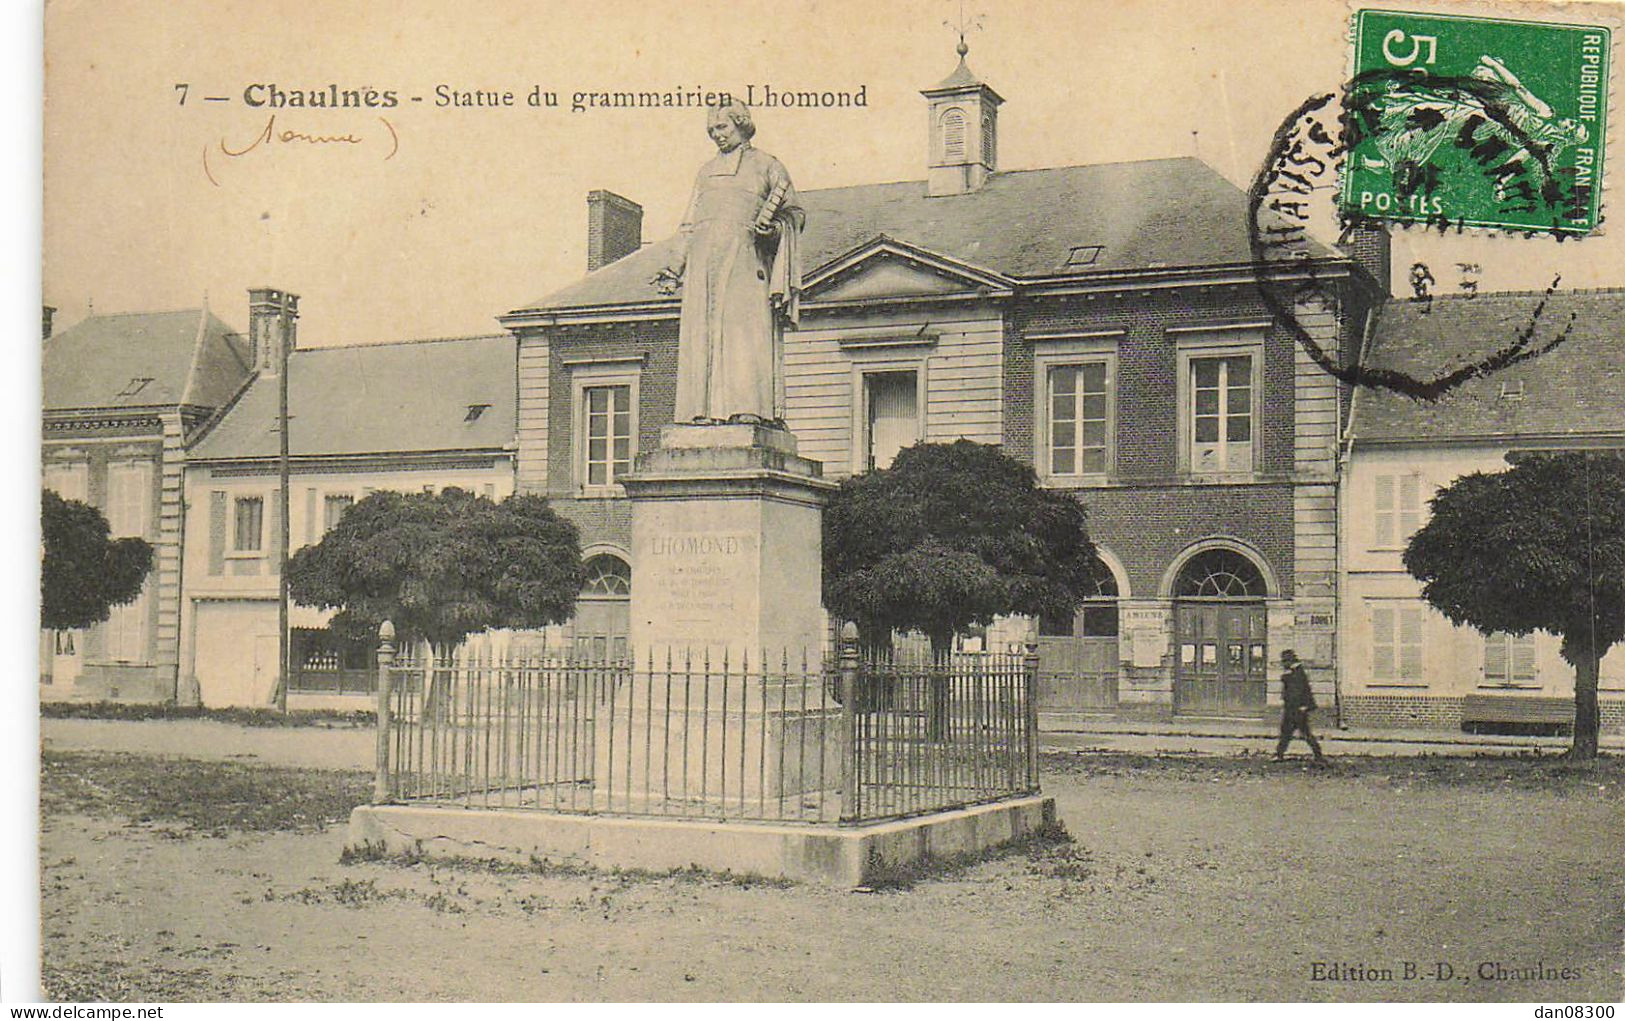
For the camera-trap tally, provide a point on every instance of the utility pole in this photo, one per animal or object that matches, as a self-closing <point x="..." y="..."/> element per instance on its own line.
<point x="282" y="515"/>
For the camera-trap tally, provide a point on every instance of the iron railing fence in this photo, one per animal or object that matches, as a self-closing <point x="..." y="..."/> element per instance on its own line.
<point x="697" y="737"/>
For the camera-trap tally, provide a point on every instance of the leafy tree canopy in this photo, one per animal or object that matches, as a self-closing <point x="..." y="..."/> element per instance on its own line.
<point x="85" y="574"/>
<point x="442" y="566"/>
<point x="949" y="536"/>
<point x="1540" y="547"/>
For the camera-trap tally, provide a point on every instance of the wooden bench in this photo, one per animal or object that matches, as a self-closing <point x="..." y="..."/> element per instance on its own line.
<point x="1508" y="712"/>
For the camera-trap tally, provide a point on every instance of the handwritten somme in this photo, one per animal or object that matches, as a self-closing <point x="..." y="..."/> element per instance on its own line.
<point x="269" y="135"/>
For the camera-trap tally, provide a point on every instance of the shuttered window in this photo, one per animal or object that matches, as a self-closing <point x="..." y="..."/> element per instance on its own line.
<point x="1509" y="659"/>
<point x="1396" y="509"/>
<point x="69" y="481"/>
<point x="1396" y="643"/>
<point x="129" y="492"/>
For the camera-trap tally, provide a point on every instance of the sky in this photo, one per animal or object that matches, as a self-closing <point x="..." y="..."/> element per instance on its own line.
<point x="477" y="211"/>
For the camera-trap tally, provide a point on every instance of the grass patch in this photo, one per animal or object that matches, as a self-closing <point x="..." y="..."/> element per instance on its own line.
<point x="210" y="798"/>
<point x="242" y="716"/>
<point x="1522" y="770"/>
<point x="894" y="876"/>
<point x="539" y="866"/>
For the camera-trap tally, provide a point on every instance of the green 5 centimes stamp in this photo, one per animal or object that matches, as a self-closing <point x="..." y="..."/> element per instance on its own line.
<point x="1476" y="122"/>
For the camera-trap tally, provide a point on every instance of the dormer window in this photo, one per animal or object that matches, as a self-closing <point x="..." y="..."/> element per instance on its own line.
<point x="134" y="386"/>
<point x="1083" y="255"/>
<point x="475" y="411"/>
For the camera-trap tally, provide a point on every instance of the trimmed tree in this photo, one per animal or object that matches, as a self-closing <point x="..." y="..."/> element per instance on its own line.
<point x="442" y="566"/>
<point x="84" y="574"/>
<point x="949" y="536"/>
<point x="1539" y="547"/>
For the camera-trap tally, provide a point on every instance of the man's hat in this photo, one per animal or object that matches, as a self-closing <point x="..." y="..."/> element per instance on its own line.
<point x="1288" y="656"/>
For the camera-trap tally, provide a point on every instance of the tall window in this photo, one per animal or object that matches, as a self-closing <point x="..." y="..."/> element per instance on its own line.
<point x="124" y="638"/>
<point x="1509" y="659"/>
<point x="609" y="433"/>
<point x="248" y="531"/>
<point x="334" y="507"/>
<point x="1396" y="509"/>
<point x="1396" y="644"/>
<point x="1221" y="414"/>
<point x="71" y="481"/>
<point x="129" y="490"/>
<point x="1077" y="419"/>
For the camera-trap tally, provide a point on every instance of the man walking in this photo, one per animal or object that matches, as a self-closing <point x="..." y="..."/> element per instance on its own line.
<point x="1296" y="702"/>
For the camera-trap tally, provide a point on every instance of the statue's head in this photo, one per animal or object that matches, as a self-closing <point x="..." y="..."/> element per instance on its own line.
<point x="729" y="124"/>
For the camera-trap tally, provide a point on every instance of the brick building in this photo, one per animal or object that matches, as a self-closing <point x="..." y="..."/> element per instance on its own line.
<point x="1100" y="322"/>
<point x="123" y="397"/>
<point x="1402" y="663"/>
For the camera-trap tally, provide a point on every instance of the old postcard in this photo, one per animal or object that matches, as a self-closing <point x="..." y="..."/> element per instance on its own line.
<point x="825" y="501"/>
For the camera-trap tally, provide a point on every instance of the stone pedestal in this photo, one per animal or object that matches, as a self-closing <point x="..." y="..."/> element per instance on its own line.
<point x="726" y="547"/>
<point x="727" y="627"/>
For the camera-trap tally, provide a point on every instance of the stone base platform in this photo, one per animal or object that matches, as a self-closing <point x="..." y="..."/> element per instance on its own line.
<point x="824" y="854"/>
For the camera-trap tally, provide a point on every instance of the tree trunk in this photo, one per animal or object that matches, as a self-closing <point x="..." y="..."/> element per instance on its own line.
<point x="937" y="696"/>
<point x="1586" y="719"/>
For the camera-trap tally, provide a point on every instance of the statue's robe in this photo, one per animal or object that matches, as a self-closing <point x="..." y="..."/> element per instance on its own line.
<point x="735" y="284"/>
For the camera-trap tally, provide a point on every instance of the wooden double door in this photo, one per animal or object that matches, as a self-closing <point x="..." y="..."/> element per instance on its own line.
<point x="1222" y="657"/>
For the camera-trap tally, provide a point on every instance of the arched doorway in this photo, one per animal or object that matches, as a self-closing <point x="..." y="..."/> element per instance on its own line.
<point x="1221" y="634"/>
<point x="603" y="617"/>
<point x="1077" y="657"/>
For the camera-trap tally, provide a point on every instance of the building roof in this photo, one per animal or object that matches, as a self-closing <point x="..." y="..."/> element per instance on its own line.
<point x="416" y="396"/>
<point x="1576" y="389"/>
<point x="1022" y="224"/>
<point x="143" y="359"/>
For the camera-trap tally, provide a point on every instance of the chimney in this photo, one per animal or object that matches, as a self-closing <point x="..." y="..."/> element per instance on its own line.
<point x="45" y="323"/>
<point x="273" y="318"/>
<point x="1370" y="246"/>
<point x="964" y="131"/>
<point x="614" y="228"/>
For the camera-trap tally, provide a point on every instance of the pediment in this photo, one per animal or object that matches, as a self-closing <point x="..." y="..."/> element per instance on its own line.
<point x="888" y="269"/>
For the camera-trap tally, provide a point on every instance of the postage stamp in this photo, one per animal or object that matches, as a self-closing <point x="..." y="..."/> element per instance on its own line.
<point x="1476" y="122"/>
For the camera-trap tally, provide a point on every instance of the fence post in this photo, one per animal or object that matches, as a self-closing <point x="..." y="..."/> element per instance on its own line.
<point x="1029" y="680"/>
<point x="381" y="793"/>
<point x="850" y="752"/>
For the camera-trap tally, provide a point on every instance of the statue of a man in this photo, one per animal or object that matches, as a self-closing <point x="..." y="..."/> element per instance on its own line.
<point x="737" y="261"/>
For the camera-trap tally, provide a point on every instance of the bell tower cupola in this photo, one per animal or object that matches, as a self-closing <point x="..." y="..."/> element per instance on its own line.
<point x="964" y="131"/>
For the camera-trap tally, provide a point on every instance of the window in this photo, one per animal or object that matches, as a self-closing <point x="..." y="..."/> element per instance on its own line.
<point x="134" y="386"/>
<point x="248" y="531"/>
<point x="1221" y="414"/>
<point x="1079" y="424"/>
<point x="1219" y="393"/>
<point x="608" y="433"/>
<point x="608" y="576"/>
<point x="71" y="481"/>
<point x="129" y="491"/>
<point x="604" y="417"/>
<point x="125" y="634"/>
<point x="1396" y="644"/>
<point x="334" y="506"/>
<point x="1220" y="573"/>
<point x="953" y="135"/>
<point x="990" y="142"/>
<point x="1396" y="509"/>
<point x="1509" y="660"/>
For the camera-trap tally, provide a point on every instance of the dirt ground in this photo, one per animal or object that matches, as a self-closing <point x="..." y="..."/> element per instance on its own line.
<point x="1188" y="878"/>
